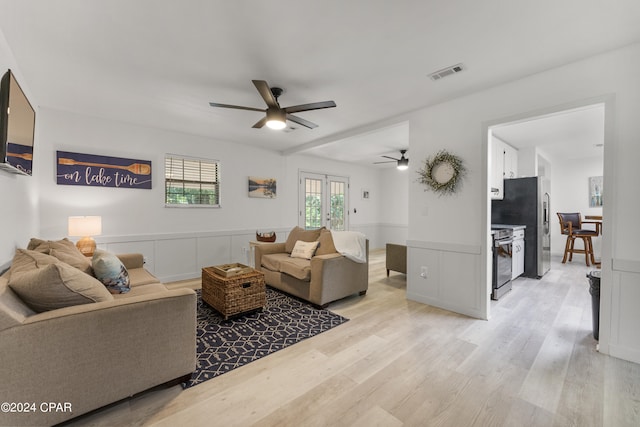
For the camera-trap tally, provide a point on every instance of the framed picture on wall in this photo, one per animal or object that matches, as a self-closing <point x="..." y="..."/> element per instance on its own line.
<point x="264" y="188"/>
<point x="595" y="191"/>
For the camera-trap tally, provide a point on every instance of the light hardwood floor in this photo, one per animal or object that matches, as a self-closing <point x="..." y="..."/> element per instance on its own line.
<point x="401" y="363"/>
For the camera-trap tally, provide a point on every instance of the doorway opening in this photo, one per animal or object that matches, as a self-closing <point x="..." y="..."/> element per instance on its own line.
<point x="564" y="146"/>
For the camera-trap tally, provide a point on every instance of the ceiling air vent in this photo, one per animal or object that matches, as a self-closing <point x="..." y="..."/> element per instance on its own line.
<point x="446" y="72"/>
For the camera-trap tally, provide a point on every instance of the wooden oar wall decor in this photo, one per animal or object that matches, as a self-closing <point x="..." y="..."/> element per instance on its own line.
<point x="102" y="171"/>
<point x="19" y="157"/>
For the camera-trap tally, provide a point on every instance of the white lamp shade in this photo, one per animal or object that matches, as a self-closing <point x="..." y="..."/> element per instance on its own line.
<point x="84" y="226"/>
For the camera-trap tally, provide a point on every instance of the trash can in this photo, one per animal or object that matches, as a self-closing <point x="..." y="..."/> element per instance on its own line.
<point x="594" y="290"/>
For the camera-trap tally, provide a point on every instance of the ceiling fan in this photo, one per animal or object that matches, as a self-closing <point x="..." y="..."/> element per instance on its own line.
<point x="403" y="162"/>
<point x="277" y="116"/>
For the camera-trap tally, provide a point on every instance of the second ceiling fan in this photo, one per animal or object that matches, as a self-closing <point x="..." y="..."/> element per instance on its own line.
<point x="402" y="162"/>
<point x="277" y="116"/>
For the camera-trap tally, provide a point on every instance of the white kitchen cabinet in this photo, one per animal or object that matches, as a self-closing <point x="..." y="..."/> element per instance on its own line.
<point x="510" y="162"/>
<point x="504" y="165"/>
<point x="517" y="254"/>
<point x="497" y="169"/>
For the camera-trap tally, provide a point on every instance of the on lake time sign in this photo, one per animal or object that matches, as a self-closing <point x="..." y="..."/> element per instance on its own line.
<point x="102" y="171"/>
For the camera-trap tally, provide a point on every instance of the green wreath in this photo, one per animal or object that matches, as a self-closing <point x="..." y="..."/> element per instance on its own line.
<point x="442" y="173"/>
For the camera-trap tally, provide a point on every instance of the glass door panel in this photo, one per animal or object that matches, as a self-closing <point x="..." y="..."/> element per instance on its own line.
<point x="323" y="201"/>
<point x="337" y="219"/>
<point x="313" y="203"/>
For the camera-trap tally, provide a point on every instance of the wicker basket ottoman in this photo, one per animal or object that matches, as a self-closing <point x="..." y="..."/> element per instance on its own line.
<point x="233" y="295"/>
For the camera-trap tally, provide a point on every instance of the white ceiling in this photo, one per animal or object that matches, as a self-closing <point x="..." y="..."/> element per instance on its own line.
<point x="570" y="135"/>
<point x="367" y="148"/>
<point x="160" y="62"/>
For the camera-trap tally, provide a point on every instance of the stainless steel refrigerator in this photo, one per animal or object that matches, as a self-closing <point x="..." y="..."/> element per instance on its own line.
<point x="527" y="202"/>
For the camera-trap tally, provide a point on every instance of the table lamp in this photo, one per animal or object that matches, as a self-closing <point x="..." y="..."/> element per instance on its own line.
<point x="85" y="227"/>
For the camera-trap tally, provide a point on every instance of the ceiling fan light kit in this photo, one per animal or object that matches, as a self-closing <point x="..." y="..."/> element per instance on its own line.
<point x="276" y="116"/>
<point x="402" y="163"/>
<point x="276" y="119"/>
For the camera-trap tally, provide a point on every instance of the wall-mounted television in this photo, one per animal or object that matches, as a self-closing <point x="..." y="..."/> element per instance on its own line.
<point x="17" y="127"/>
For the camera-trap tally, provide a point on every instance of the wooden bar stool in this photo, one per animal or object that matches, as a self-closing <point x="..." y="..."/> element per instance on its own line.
<point x="571" y="226"/>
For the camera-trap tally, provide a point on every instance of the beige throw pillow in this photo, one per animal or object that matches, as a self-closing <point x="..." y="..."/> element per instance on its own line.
<point x="34" y="243"/>
<point x="64" y="250"/>
<point x="25" y="260"/>
<point x="51" y="285"/>
<point x="298" y="233"/>
<point x="326" y="245"/>
<point x="304" y="250"/>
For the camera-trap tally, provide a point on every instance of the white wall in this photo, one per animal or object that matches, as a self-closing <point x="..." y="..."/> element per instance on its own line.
<point x="446" y="232"/>
<point x="392" y="201"/>
<point x="450" y="233"/>
<point x="19" y="206"/>
<point x="135" y="211"/>
<point x="570" y="190"/>
<point x="177" y="242"/>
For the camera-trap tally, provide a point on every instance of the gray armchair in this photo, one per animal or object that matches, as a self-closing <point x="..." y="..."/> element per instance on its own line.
<point x="396" y="258"/>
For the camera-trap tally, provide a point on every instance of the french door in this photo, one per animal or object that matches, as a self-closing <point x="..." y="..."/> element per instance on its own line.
<point x="324" y="201"/>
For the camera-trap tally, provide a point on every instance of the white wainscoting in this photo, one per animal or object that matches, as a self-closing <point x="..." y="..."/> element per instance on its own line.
<point x="454" y="279"/>
<point x="180" y="256"/>
<point x="393" y="233"/>
<point x="624" y="341"/>
<point x="371" y="231"/>
<point x="381" y="234"/>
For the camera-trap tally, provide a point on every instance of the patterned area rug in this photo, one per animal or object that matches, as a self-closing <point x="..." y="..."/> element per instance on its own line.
<point x="225" y="345"/>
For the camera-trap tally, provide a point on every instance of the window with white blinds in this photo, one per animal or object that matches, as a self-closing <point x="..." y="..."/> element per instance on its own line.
<point x="191" y="182"/>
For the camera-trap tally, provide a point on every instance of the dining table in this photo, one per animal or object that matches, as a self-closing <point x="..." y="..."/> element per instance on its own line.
<point x="597" y="220"/>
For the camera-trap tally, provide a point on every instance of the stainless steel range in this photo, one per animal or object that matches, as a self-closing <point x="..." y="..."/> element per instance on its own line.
<point x="502" y="262"/>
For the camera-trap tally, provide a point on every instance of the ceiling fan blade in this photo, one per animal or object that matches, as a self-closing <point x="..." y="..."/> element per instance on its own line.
<point x="392" y="158"/>
<point x="265" y="93"/>
<point x="260" y="123"/>
<point x="309" y="107"/>
<point x="378" y="163"/>
<point x="237" y="107"/>
<point x="301" y="121"/>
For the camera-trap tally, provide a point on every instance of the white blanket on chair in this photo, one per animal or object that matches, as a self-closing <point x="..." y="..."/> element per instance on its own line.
<point x="351" y="244"/>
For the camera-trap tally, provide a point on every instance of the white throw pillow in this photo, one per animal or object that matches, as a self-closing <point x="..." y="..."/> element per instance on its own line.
<point x="304" y="249"/>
